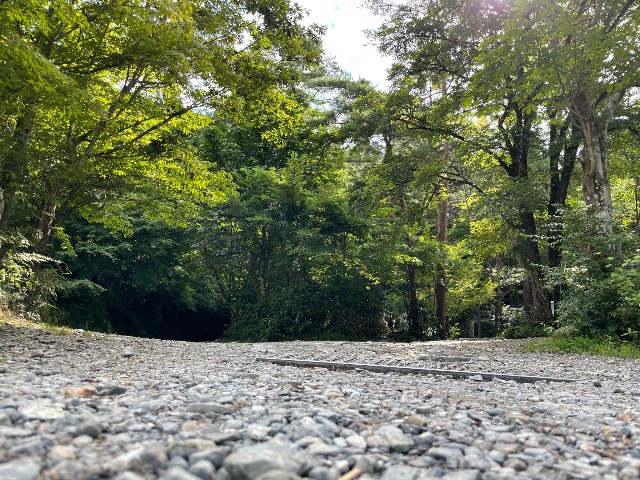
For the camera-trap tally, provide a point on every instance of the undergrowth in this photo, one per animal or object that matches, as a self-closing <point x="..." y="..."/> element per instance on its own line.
<point x="10" y="319"/>
<point x="605" y="347"/>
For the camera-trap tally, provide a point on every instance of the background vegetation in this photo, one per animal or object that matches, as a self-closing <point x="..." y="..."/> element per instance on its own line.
<point x="195" y="169"/>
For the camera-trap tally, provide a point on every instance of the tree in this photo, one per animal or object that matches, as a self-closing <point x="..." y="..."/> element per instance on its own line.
<point x="439" y="39"/>
<point x="100" y="84"/>
<point x="578" y="59"/>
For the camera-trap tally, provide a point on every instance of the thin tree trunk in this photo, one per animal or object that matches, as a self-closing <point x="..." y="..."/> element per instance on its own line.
<point x="469" y="330"/>
<point x="441" y="275"/>
<point x="443" y="215"/>
<point x="416" y="328"/>
<point x="264" y="258"/>
<point x="637" y="200"/>
<point x="539" y="306"/>
<point x="45" y="227"/>
<point x="563" y="153"/>
<point x="415" y="324"/>
<point x="498" y="316"/>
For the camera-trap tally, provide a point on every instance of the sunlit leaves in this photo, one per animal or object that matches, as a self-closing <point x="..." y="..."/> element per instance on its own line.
<point x="105" y="83"/>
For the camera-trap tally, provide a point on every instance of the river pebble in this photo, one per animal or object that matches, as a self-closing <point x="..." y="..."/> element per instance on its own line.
<point x="84" y="406"/>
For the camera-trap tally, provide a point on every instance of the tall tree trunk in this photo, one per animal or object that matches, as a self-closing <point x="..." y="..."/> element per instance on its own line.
<point x="594" y="157"/>
<point x="441" y="274"/>
<point x="596" y="187"/>
<point x="47" y="218"/>
<point x="264" y="259"/>
<point x="443" y="216"/>
<point x="563" y="152"/>
<point x="539" y="305"/>
<point x="416" y="328"/>
<point x="518" y="141"/>
<point x="498" y="316"/>
<point x="469" y="331"/>
<point x="636" y="192"/>
<point x="45" y="227"/>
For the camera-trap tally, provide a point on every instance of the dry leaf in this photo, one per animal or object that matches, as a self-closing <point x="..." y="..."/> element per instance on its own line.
<point x="79" y="392"/>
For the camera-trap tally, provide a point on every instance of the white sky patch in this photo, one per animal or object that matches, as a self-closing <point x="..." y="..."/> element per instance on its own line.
<point x="345" y="40"/>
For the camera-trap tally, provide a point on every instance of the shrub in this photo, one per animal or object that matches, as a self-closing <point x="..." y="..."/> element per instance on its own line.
<point x="27" y="280"/>
<point x="600" y="288"/>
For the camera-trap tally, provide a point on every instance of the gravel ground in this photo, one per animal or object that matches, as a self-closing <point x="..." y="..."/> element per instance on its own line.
<point x="94" y="406"/>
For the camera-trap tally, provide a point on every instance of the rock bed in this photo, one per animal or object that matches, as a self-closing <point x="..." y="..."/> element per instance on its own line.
<point x="94" y="406"/>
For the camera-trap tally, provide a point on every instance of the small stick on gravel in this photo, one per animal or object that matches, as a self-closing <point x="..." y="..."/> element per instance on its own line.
<point x="355" y="473"/>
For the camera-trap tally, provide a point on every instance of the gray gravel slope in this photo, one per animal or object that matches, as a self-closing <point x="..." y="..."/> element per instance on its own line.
<point x="93" y="406"/>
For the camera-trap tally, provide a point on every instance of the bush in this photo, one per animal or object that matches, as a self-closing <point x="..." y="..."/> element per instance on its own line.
<point x="527" y="330"/>
<point x="600" y="288"/>
<point x="518" y="325"/>
<point x="343" y="307"/>
<point x="27" y="280"/>
<point x="605" y="304"/>
<point x="80" y="304"/>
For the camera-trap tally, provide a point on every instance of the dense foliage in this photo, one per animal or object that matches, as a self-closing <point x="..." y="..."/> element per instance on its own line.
<point x="192" y="169"/>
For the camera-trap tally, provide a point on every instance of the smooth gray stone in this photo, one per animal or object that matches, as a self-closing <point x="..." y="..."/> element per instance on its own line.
<point x="203" y="469"/>
<point x="128" y="476"/>
<point x="366" y="463"/>
<point x="21" y="469"/>
<point x="396" y="438"/>
<point x="629" y="473"/>
<point x="320" y="448"/>
<point x="178" y="461"/>
<point x="67" y="470"/>
<point x="248" y="463"/>
<point x="515" y="464"/>
<point x="451" y="456"/>
<point x="224" y="437"/>
<point x="5" y="420"/>
<point x="497" y="457"/>
<point x="30" y="448"/>
<point x="179" y="473"/>
<point x="462" y="475"/>
<point x="223" y="474"/>
<point x="324" y="473"/>
<point x="90" y="428"/>
<point x="307" y="427"/>
<point x="110" y="390"/>
<point x="277" y="474"/>
<point x="41" y="410"/>
<point x="216" y="456"/>
<point x="475" y="459"/>
<point x="401" y="472"/>
<point x="205" y="408"/>
<point x="143" y="460"/>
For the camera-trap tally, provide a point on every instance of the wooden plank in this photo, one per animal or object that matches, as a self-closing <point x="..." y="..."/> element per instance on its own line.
<point x="414" y="370"/>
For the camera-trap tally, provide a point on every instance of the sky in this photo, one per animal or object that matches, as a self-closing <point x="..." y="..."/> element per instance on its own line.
<point x="345" y="40"/>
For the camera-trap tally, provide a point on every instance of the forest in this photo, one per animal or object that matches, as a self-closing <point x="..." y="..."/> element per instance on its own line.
<point x="201" y="169"/>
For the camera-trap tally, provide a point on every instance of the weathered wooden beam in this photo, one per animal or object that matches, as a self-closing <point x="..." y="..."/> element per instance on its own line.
<point x="414" y="370"/>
